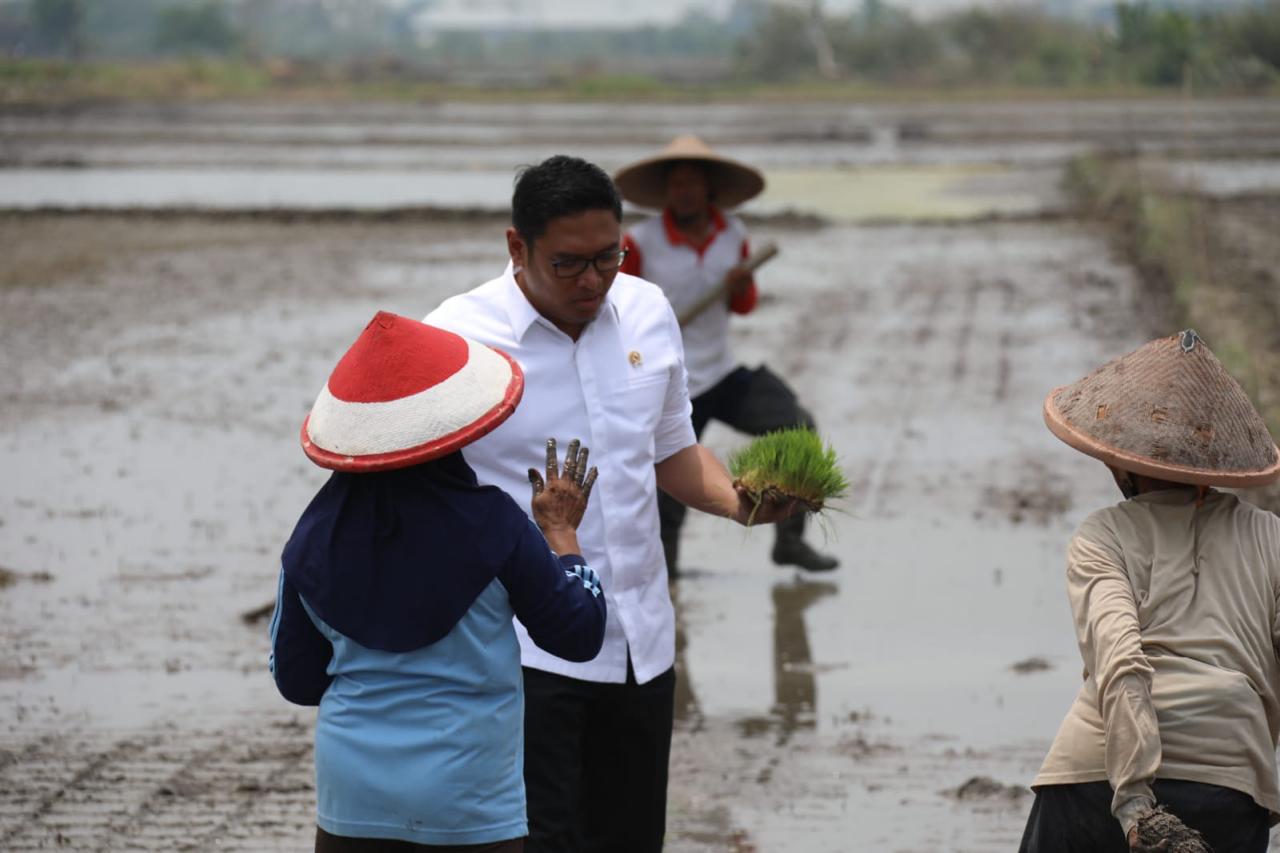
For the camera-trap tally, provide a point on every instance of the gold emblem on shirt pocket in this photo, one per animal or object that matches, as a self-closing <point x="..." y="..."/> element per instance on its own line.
<point x="635" y="358"/>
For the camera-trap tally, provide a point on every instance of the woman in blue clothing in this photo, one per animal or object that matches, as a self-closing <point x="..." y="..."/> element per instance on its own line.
<point x="398" y="588"/>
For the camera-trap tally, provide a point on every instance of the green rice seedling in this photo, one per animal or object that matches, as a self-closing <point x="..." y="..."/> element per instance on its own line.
<point x="790" y="464"/>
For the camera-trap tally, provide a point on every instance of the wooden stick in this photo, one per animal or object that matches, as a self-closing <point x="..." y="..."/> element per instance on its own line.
<point x="758" y="259"/>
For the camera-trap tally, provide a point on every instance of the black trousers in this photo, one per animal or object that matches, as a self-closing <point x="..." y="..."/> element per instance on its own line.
<point x="751" y="401"/>
<point x="326" y="843"/>
<point x="1077" y="818"/>
<point x="595" y="763"/>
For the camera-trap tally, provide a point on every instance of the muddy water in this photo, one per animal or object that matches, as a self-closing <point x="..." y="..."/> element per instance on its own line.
<point x="159" y="373"/>
<point x="930" y="192"/>
<point x="1224" y="178"/>
<point x="925" y="354"/>
<point x="845" y="162"/>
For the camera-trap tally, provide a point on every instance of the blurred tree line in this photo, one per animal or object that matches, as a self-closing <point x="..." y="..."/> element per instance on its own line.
<point x="1140" y="42"/>
<point x="253" y="29"/>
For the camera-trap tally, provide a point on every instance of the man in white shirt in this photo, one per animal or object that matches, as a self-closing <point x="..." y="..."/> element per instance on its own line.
<point x="602" y="358"/>
<point x="688" y="250"/>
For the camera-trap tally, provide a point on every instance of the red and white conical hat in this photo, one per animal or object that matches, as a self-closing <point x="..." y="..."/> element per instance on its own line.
<point x="406" y="393"/>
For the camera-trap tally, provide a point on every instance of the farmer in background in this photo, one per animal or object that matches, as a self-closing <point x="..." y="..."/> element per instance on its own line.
<point x="602" y="358"/>
<point x="398" y="588"/>
<point x="1175" y="595"/>
<point x="693" y="248"/>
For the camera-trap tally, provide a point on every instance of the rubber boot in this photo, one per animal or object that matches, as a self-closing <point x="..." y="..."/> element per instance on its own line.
<point x="790" y="549"/>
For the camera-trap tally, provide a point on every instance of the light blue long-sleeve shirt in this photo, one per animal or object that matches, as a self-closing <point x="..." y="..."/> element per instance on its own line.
<point x="427" y="745"/>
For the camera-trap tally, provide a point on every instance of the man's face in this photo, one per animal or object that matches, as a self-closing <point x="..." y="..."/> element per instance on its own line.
<point x="688" y="195"/>
<point x="569" y="303"/>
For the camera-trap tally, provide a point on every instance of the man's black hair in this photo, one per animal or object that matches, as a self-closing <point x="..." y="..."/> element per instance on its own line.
<point x="560" y="186"/>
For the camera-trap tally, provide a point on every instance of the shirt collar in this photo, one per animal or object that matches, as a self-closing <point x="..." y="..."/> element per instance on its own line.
<point x="675" y="238"/>
<point x="520" y="311"/>
<point x="522" y="315"/>
<point x="1182" y="495"/>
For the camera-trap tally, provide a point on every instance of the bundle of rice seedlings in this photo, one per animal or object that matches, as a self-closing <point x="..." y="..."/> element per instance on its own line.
<point x="790" y="464"/>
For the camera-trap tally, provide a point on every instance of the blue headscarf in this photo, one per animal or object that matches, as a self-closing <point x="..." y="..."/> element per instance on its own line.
<point x="393" y="559"/>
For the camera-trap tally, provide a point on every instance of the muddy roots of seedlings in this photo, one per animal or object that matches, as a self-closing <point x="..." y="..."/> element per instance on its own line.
<point x="773" y="495"/>
<point x="789" y="465"/>
<point x="1162" y="830"/>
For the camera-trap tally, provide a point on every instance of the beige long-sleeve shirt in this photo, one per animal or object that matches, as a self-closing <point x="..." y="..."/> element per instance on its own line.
<point x="1178" y="623"/>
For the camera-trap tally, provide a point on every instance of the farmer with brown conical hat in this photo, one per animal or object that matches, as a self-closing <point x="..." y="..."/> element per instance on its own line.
<point x="1175" y="596"/>
<point x="700" y="256"/>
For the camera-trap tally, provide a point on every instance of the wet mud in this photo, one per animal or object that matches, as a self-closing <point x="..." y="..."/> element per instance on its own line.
<point x="159" y="367"/>
<point x="161" y="371"/>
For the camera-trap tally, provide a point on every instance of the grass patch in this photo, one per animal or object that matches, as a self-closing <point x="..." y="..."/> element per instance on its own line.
<point x="54" y="81"/>
<point x="1190" y="272"/>
<point x="790" y="464"/>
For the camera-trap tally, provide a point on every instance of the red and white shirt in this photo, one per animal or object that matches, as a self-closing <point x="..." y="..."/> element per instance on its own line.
<point x="687" y="272"/>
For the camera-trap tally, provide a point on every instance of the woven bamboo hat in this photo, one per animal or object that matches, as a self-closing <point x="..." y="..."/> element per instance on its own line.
<point x="644" y="182"/>
<point x="1168" y="410"/>
<point x="407" y="393"/>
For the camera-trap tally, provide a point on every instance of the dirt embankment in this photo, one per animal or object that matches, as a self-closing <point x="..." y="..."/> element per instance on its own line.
<point x="1208" y="264"/>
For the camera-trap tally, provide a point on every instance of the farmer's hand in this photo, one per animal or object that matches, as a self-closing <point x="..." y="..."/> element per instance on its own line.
<point x="1138" y="847"/>
<point x="1159" y="829"/>
<point x="560" y="500"/>
<point x="739" y="281"/>
<point x="1129" y="814"/>
<point x="769" y="510"/>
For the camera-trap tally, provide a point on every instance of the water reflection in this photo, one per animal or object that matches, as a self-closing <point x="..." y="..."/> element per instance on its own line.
<point x="688" y="713"/>
<point x="794" y="682"/>
<point x="795" y="689"/>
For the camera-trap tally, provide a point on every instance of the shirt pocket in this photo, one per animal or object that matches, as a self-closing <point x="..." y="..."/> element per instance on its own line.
<point x="635" y="407"/>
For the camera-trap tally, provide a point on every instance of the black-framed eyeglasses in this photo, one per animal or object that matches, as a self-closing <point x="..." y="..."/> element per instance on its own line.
<point x="605" y="262"/>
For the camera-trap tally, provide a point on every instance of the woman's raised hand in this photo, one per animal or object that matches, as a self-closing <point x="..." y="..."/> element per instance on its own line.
<point x="560" y="500"/>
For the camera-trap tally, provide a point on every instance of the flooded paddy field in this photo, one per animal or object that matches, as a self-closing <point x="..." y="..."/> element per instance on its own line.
<point x="159" y="367"/>
<point x="844" y="162"/>
<point x="159" y="375"/>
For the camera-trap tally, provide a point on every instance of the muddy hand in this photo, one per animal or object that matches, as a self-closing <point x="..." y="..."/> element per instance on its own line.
<point x="560" y="499"/>
<point x="1138" y="847"/>
<point x="1161" y="830"/>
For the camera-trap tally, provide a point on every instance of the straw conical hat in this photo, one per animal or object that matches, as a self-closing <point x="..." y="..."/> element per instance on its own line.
<point x="1167" y="410"/>
<point x="731" y="182"/>
<point x="407" y="393"/>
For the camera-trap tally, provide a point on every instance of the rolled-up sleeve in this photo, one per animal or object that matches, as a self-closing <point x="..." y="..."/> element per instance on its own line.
<point x="1108" y="632"/>
<point x="675" y="426"/>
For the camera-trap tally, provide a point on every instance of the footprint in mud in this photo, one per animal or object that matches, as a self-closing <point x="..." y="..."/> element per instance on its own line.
<point x="1030" y="665"/>
<point x="986" y="789"/>
<point x="8" y="577"/>
<point x="1040" y="499"/>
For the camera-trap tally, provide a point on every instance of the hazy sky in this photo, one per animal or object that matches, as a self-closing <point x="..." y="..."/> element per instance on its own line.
<point x="560" y="13"/>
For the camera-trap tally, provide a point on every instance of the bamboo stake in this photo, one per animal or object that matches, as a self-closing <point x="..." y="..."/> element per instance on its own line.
<point x="758" y="259"/>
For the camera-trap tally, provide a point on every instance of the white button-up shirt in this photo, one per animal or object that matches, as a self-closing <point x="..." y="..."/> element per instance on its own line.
<point x="621" y="389"/>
